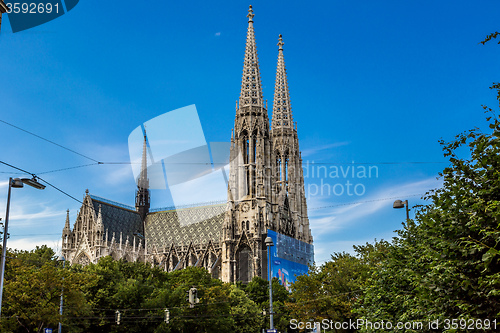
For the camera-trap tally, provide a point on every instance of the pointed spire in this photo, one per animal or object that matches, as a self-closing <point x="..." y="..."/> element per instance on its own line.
<point x="143" y="177"/>
<point x="142" y="196"/>
<point x="282" y="110"/>
<point x="251" y="87"/>
<point x="66" y="225"/>
<point x="99" y="219"/>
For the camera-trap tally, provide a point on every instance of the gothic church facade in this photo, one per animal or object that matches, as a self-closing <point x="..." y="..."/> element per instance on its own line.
<point x="265" y="193"/>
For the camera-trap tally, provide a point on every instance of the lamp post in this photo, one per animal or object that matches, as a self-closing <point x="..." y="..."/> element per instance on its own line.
<point x="269" y="243"/>
<point x="61" y="258"/>
<point x="402" y="204"/>
<point x="16" y="183"/>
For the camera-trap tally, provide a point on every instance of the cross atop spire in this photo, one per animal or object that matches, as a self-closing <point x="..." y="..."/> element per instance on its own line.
<point x="250" y="14"/>
<point x="282" y="110"/>
<point x="280" y="43"/>
<point x="251" y="87"/>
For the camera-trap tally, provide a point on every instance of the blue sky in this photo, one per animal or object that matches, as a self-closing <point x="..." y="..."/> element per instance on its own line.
<point x="374" y="83"/>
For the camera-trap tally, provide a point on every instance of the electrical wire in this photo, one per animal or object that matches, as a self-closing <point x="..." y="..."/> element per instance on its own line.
<point x="52" y="142"/>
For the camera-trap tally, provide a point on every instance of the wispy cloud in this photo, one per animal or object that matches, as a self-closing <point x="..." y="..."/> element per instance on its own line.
<point x="324" y="249"/>
<point x="28" y="218"/>
<point x="30" y="243"/>
<point x="316" y="149"/>
<point x="338" y="216"/>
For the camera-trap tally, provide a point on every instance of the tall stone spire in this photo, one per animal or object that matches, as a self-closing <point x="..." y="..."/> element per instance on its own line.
<point x="66" y="225"/>
<point x="66" y="236"/>
<point x="251" y="87"/>
<point x="282" y="109"/>
<point x="142" y="195"/>
<point x="289" y="177"/>
<point x="250" y="183"/>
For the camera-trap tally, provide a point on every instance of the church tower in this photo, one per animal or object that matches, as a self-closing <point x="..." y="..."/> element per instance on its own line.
<point x="291" y="208"/>
<point x="142" y="195"/>
<point x="249" y="188"/>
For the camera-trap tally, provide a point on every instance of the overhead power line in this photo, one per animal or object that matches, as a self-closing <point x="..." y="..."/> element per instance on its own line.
<point x="52" y="142"/>
<point x="313" y="208"/>
<point x="200" y="163"/>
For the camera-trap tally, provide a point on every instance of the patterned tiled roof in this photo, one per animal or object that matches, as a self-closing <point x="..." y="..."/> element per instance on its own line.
<point x="200" y="224"/>
<point x="118" y="219"/>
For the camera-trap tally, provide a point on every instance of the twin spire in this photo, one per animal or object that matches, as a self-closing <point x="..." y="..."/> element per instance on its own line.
<point x="282" y="110"/>
<point x="251" y="86"/>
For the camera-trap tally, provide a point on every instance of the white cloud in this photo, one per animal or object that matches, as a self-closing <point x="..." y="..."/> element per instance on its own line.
<point x="28" y="218"/>
<point x="324" y="250"/>
<point x="316" y="149"/>
<point x="339" y="216"/>
<point x="31" y="243"/>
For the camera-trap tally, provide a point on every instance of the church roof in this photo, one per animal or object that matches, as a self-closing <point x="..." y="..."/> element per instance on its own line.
<point x="181" y="226"/>
<point x="117" y="218"/>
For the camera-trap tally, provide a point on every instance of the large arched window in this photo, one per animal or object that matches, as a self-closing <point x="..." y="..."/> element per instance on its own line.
<point x="245" y="265"/>
<point x="285" y="169"/>
<point x="246" y="149"/>
<point x="254" y="152"/>
<point x="278" y="167"/>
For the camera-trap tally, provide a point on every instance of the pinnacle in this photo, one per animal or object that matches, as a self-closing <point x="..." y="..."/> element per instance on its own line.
<point x="143" y="178"/>
<point x="66" y="225"/>
<point x="282" y="112"/>
<point x="280" y="43"/>
<point x="250" y="14"/>
<point x="251" y="87"/>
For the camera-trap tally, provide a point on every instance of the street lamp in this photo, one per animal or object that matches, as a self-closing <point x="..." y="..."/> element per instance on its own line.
<point x="61" y="258"/>
<point x="402" y="204"/>
<point x="269" y="243"/>
<point x="16" y="183"/>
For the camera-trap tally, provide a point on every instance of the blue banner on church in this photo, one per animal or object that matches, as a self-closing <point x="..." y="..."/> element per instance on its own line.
<point x="289" y="257"/>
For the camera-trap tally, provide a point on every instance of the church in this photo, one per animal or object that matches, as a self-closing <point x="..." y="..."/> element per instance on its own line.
<point x="265" y="197"/>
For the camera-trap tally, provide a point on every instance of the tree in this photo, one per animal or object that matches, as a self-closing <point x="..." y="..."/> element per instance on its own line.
<point x="258" y="291"/>
<point x="33" y="286"/>
<point x="329" y="291"/>
<point x="446" y="263"/>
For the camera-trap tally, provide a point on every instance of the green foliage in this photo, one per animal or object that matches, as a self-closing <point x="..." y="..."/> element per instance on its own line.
<point x="446" y="264"/>
<point x="34" y="281"/>
<point x="258" y="291"/>
<point x="329" y="291"/>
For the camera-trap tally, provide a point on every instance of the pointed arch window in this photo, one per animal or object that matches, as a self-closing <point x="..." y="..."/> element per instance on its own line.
<point x="278" y="166"/>
<point x="285" y="169"/>
<point x="246" y="148"/>
<point x="254" y="152"/>
<point x="245" y="265"/>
